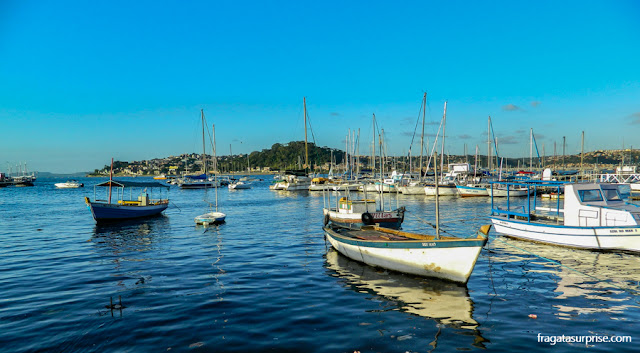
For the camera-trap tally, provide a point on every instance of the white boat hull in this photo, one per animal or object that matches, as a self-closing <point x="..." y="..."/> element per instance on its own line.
<point x="344" y="187"/>
<point x="471" y="191"/>
<point x="318" y="187"/>
<point x="66" y="186"/>
<point x="210" y="218"/>
<point x="367" y="188"/>
<point x="510" y="193"/>
<point x="427" y="260"/>
<point x="597" y="238"/>
<point x="411" y="190"/>
<point x="442" y="190"/>
<point x="386" y="188"/>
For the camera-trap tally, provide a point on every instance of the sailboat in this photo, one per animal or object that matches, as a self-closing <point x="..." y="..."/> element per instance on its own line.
<point x="474" y="188"/>
<point x="417" y="187"/>
<point x="199" y="181"/>
<point x="440" y="187"/>
<point x="213" y="217"/>
<point x="296" y="180"/>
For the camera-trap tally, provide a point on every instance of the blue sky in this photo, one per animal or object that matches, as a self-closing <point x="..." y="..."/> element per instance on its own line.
<point x="81" y="82"/>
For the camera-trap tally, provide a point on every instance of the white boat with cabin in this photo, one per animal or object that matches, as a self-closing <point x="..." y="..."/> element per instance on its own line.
<point x="594" y="217"/>
<point x="293" y="180"/>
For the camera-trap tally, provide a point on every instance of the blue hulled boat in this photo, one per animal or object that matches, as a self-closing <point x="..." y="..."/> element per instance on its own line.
<point x="140" y="204"/>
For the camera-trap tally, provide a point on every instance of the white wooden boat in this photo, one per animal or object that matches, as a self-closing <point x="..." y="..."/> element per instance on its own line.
<point x="210" y="218"/>
<point x="318" y="184"/>
<point x="368" y="186"/>
<point x="413" y="188"/>
<point x="472" y="190"/>
<point x="386" y="185"/>
<point x="449" y="258"/>
<point x="345" y="186"/>
<point x="552" y="196"/>
<point x="238" y="185"/>
<point x="293" y="180"/>
<point x="70" y="184"/>
<point x="594" y="217"/>
<point x="502" y="190"/>
<point x="443" y="190"/>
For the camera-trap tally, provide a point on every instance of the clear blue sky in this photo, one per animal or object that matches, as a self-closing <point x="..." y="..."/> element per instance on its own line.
<point x="82" y="81"/>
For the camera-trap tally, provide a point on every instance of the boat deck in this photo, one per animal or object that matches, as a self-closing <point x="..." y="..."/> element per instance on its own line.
<point x="538" y="218"/>
<point x="369" y="234"/>
<point x="375" y="233"/>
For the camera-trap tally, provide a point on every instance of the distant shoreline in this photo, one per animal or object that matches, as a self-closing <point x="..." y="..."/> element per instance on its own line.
<point x="122" y="175"/>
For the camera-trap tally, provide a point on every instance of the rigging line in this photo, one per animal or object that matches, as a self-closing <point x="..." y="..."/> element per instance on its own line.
<point x="628" y="290"/>
<point x="535" y="144"/>
<point x="429" y="223"/>
<point x="415" y="128"/>
<point x="495" y="142"/>
<point x="311" y="128"/>
<point x="179" y="209"/>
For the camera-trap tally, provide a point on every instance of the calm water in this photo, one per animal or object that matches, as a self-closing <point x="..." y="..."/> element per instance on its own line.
<point x="267" y="281"/>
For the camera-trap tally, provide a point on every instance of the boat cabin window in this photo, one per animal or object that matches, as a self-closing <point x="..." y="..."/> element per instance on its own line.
<point x="590" y="195"/>
<point x="611" y="194"/>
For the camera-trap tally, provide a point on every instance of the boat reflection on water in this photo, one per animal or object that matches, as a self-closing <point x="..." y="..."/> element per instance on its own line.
<point x="129" y="235"/>
<point x="588" y="281"/>
<point x="446" y="302"/>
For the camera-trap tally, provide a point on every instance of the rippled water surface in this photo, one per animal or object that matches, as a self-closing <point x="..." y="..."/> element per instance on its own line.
<point x="267" y="281"/>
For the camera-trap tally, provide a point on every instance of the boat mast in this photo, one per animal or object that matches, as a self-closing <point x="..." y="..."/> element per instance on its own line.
<point x="346" y="153"/>
<point x="373" y="143"/>
<point x="489" y="144"/>
<point x="204" y="158"/>
<point x="582" y="154"/>
<point x="530" y="149"/>
<point x="444" y="127"/>
<point x="424" y="109"/>
<point x="475" y="167"/>
<point x="215" y="175"/>
<point x="358" y="155"/>
<point x="435" y="171"/>
<point x="564" y="143"/>
<point x="110" y="179"/>
<point x="306" y="149"/>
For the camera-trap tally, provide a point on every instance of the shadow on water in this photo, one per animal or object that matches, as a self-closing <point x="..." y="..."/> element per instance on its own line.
<point x="447" y="303"/>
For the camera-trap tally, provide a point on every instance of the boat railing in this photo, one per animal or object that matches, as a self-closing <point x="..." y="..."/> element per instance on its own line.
<point x="532" y="187"/>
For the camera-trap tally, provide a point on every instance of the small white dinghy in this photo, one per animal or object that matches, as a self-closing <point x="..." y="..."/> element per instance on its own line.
<point x="210" y="218"/>
<point x="71" y="184"/>
<point x="239" y="185"/>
